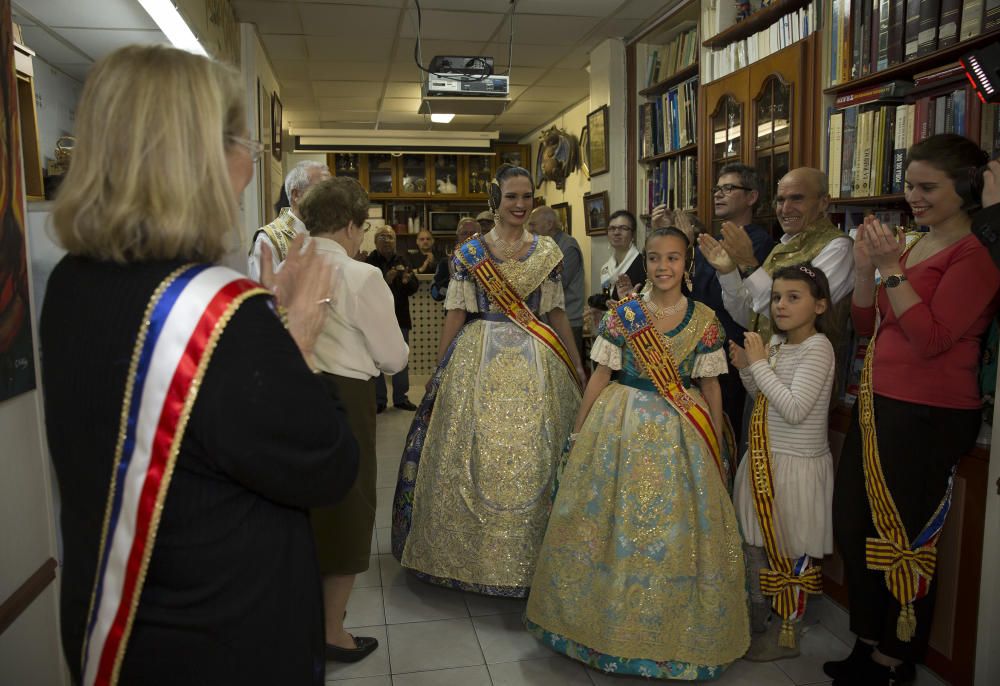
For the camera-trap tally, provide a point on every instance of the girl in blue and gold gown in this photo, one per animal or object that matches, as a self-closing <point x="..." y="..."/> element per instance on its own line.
<point x="475" y="481"/>
<point x="641" y="570"/>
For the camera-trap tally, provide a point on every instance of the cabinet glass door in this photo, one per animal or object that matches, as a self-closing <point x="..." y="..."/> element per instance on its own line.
<point x="445" y="175"/>
<point x="772" y="110"/>
<point x="414" y="175"/>
<point x="727" y="139"/>
<point x="347" y="164"/>
<point x="478" y="175"/>
<point x="380" y="175"/>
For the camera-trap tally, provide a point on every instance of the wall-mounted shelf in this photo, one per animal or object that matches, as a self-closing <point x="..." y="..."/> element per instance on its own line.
<point x="670" y="153"/>
<point x="758" y="21"/>
<point x="893" y="199"/>
<point x="672" y="80"/>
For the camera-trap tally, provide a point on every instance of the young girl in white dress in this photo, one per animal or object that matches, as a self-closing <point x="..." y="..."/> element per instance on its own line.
<point x="785" y="480"/>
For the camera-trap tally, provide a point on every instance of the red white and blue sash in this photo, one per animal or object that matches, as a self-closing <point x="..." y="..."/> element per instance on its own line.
<point x="180" y="328"/>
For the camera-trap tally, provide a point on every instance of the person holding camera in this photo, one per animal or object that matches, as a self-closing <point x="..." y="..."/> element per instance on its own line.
<point x="926" y="303"/>
<point x="403" y="283"/>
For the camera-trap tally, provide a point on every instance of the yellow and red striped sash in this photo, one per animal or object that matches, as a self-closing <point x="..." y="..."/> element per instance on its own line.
<point x="501" y="293"/>
<point x="908" y="567"/>
<point x="787" y="581"/>
<point x="650" y="349"/>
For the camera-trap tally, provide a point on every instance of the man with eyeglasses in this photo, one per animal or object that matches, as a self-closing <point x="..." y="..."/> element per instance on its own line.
<point x="287" y="226"/>
<point x="735" y="196"/>
<point x="403" y="283"/>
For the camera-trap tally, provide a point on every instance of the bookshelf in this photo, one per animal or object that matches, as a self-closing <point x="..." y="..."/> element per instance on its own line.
<point x="663" y="78"/>
<point x="915" y="94"/>
<point x="756" y="22"/>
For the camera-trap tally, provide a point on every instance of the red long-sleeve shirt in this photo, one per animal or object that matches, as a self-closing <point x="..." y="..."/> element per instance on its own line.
<point x="931" y="354"/>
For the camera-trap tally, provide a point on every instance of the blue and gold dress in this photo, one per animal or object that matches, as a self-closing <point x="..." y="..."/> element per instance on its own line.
<point x="641" y="570"/>
<point x="475" y="481"/>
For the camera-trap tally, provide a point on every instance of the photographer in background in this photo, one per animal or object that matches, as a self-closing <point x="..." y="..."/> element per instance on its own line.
<point x="919" y="408"/>
<point x="403" y="283"/>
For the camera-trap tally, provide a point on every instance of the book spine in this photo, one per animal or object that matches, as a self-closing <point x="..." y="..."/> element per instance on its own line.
<point x="927" y="38"/>
<point x="848" y="147"/>
<point x="834" y="152"/>
<point x="972" y="19"/>
<point x="912" y="28"/>
<point x="897" y="22"/>
<point x="959" y="112"/>
<point x="884" y="19"/>
<point x="948" y="28"/>
<point x="888" y="146"/>
<point x="991" y="15"/>
<point x="899" y="149"/>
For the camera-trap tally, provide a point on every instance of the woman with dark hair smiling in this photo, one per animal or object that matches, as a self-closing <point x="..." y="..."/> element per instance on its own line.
<point x="918" y="409"/>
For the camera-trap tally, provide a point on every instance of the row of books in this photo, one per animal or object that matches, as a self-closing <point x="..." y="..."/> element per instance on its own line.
<point x="868" y="36"/>
<point x="670" y="58"/>
<point x="673" y="181"/>
<point x="669" y="121"/>
<point x="788" y="29"/>
<point x="868" y="139"/>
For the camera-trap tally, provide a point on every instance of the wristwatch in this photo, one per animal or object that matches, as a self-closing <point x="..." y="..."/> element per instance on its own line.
<point x="894" y="280"/>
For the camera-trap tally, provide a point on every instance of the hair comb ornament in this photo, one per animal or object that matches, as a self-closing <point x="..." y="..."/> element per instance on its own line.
<point x="807" y="271"/>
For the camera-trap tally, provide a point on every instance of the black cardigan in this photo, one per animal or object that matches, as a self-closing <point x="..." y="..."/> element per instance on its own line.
<point x="233" y="589"/>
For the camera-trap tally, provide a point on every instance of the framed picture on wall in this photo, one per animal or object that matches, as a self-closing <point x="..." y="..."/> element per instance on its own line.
<point x="595" y="213"/>
<point x="597" y="141"/>
<point x="276" y="126"/>
<point x="562" y="211"/>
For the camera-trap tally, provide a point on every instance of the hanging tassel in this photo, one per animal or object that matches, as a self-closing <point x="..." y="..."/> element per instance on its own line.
<point x="906" y="624"/>
<point x="786" y="639"/>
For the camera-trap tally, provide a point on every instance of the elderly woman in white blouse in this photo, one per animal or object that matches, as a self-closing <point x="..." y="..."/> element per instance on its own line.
<point x="360" y="340"/>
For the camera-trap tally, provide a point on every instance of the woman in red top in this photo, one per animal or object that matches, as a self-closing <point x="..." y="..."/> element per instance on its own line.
<point x="935" y="300"/>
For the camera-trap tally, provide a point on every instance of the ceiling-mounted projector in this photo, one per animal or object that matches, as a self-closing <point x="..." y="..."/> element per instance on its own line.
<point x="469" y="87"/>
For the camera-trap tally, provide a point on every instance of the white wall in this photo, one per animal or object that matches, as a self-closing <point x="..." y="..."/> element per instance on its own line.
<point x="56" y="95"/>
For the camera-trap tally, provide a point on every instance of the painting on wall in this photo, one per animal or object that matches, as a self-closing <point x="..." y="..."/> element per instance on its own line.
<point x="17" y="360"/>
<point x="597" y="141"/>
<point x="595" y="211"/>
<point x="565" y="216"/>
<point x="276" y="126"/>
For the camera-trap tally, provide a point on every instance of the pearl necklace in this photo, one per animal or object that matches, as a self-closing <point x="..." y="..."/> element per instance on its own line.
<point x="508" y="248"/>
<point x="661" y="312"/>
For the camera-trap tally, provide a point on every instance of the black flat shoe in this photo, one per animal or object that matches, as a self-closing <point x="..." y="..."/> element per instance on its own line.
<point x="407" y="405"/>
<point x="861" y="653"/>
<point x="366" y="645"/>
<point x="871" y="673"/>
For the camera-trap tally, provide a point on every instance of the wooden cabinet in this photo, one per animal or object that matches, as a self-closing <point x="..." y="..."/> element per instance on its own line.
<point x="763" y="116"/>
<point x="34" y="187"/>
<point x="424" y="176"/>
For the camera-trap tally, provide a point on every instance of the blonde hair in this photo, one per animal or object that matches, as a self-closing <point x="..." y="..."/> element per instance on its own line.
<point x="150" y="178"/>
<point x="332" y="204"/>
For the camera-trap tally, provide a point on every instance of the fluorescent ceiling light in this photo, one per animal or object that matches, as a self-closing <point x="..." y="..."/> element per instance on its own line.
<point x="173" y="25"/>
<point x="388" y="140"/>
<point x="442" y="118"/>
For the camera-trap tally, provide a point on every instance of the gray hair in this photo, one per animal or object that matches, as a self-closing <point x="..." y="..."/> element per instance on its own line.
<point x="298" y="178"/>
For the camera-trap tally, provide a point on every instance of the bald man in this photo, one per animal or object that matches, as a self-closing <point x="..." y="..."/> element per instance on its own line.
<point x="545" y="222"/>
<point x="809" y="237"/>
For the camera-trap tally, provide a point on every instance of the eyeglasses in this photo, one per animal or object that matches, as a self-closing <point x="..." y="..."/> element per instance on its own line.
<point x="619" y="228"/>
<point x="384" y="236"/>
<point x="255" y="148"/>
<point x="728" y="188"/>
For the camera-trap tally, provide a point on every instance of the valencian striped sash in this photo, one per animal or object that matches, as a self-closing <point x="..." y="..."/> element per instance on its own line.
<point x="787" y="581"/>
<point x="908" y="567"/>
<point x="502" y="294"/>
<point x="649" y="347"/>
<point x="180" y="328"/>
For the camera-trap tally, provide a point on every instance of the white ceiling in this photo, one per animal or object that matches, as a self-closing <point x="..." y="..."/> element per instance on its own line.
<point x="351" y="65"/>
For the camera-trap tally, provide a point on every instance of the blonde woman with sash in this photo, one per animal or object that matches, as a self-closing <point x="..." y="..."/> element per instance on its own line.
<point x="784" y="486"/>
<point x="918" y="409"/>
<point x="641" y="571"/>
<point x="475" y="480"/>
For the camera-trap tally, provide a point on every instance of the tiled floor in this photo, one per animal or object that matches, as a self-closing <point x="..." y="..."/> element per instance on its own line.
<point x="431" y="636"/>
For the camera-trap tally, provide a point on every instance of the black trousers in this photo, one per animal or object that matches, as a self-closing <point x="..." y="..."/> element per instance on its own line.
<point x="918" y="446"/>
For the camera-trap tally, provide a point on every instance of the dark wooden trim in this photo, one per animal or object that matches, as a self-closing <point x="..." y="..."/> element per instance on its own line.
<point x="755" y="22"/>
<point x="679" y="76"/>
<point x="864" y="201"/>
<point x="691" y="148"/>
<point x="906" y="70"/>
<point x="26" y="594"/>
<point x="631" y="130"/>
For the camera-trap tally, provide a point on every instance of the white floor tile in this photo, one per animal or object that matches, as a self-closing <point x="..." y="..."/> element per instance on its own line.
<point x="364" y="608"/>
<point x="742" y="673"/>
<point x="832" y="616"/>
<point x="424" y="646"/>
<point x="374" y="548"/>
<point x="553" y="671"/>
<point x="461" y="676"/>
<point x="480" y="605"/>
<point x="385" y="680"/>
<point x="370" y="578"/>
<point x="504" y="639"/>
<point x="817" y="645"/>
<point x="393" y="573"/>
<point x="384" y="541"/>
<point x="416" y="601"/>
<point x="383" y="507"/>
<point x="375" y="664"/>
